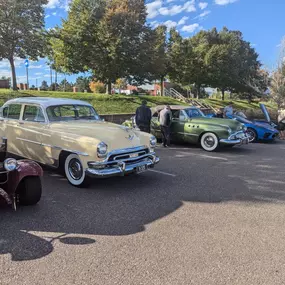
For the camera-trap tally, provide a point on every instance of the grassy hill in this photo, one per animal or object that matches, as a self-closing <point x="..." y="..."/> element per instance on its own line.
<point x="122" y="104"/>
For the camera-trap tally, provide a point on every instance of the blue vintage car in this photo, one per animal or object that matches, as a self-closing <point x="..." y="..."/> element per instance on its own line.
<point x="258" y="130"/>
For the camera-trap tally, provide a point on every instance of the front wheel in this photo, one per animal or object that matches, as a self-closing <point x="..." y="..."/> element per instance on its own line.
<point x="209" y="142"/>
<point x="252" y="135"/>
<point x="29" y="191"/>
<point x="74" y="171"/>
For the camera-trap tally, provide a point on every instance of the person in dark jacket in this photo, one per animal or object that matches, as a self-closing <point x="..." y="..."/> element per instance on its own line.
<point x="143" y="117"/>
<point x="165" y="117"/>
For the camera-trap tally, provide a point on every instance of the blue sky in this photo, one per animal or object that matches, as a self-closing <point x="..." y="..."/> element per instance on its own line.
<point x="260" y="21"/>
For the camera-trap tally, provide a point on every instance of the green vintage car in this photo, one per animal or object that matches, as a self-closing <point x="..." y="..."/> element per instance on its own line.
<point x="190" y="125"/>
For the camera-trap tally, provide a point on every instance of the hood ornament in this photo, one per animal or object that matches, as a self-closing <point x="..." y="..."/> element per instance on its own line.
<point x="130" y="137"/>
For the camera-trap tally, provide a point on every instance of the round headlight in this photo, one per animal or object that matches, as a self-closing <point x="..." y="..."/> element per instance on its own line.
<point x="10" y="164"/>
<point x="153" y="141"/>
<point x="102" y="149"/>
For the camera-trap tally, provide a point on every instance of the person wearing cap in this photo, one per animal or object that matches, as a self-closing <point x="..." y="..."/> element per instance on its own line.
<point x="165" y="121"/>
<point x="143" y="117"/>
<point x="229" y="111"/>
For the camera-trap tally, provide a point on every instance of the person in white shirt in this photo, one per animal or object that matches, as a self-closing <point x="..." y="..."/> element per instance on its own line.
<point x="281" y="123"/>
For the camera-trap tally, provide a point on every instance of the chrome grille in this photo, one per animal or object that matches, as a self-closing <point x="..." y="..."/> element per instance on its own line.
<point x="136" y="154"/>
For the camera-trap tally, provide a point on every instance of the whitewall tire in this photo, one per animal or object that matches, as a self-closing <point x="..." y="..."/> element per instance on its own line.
<point x="209" y="142"/>
<point x="74" y="171"/>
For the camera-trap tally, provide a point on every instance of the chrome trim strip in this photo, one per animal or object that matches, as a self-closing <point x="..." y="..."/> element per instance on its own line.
<point x="29" y="141"/>
<point x="54" y="147"/>
<point x="185" y="134"/>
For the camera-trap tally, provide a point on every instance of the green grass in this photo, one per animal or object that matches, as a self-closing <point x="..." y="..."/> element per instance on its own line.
<point x="121" y="104"/>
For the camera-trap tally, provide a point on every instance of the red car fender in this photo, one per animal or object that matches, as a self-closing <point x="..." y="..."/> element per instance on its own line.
<point x="24" y="169"/>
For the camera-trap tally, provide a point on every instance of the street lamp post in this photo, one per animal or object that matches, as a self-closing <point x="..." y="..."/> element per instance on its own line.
<point x="27" y="72"/>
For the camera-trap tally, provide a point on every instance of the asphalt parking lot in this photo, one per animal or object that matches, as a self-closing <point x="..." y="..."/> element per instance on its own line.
<point x="198" y="218"/>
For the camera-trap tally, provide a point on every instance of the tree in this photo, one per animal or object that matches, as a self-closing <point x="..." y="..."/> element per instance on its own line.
<point x="160" y="63"/>
<point x="103" y="37"/>
<point x="44" y="86"/>
<point x="83" y="83"/>
<point x="21" y="31"/>
<point x="277" y="80"/>
<point x="65" y="86"/>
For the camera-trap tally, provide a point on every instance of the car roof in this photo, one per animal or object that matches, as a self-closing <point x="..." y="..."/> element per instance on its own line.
<point x="47" y="101"/>
<point x="172" y="107"/>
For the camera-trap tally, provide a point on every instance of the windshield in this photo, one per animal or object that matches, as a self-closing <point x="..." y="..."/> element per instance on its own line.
<point x="71" y="112"/>
<point x="194" y="113"/>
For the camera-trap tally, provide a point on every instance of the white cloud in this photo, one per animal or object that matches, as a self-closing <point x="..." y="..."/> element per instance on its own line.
<point x="5" y="63"/>
<point x="52" y="4"/>
<point x="170" y="24"/>
<point x="183" y="21"/>
<point x="38" y="73"/>
<point x="47" y="16"/>
<point x="224" y="2"/>
<point x="54" y="13"/>
<point x="154" y="24"/>
<point x="189" y="6"/>
<point x="5" y="72"/>
<point x="35" y="66"/>
<point x="152" y="8"/>
<point x="203" y="5"/>
<point x="171" y="11"/>
<point x="47" y="75"/>
<point x="190" y="28"/>
<point x="169" y="1"/>
<point x="203" y="15"/>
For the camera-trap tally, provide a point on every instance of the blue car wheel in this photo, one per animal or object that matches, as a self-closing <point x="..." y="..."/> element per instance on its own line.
<point x="252" y="134"/>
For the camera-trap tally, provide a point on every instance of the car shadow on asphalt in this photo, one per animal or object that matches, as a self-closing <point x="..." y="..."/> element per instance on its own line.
<point x="125" y="205"/>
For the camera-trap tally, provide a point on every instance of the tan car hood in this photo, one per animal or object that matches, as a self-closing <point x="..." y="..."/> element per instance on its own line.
<point x="115" y="136"/>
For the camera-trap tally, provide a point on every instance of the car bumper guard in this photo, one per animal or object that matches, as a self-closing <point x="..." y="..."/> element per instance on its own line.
<point x="122" y="168"/>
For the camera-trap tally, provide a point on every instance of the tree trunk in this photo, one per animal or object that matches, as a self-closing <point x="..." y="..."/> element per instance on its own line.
<point x="198" y="91"/>
<point x="109" y="87"/>
<point x="162" y="86"/>
<point x="14" y="79"/>
<point x="223" y="94"/>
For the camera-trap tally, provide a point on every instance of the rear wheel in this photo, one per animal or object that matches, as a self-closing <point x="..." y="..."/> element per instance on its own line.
<point x="74" y="171"/>
<point x="209" y="142"/>
<point x="29" y="191"/>
<point x="252" y="135"/>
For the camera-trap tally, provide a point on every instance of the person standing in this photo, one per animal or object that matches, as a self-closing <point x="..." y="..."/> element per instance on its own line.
<point x="143" y="117"/>
<point x="165" y="121"/>
<point x="281" y="124"/>
<point x="229" y="111"/>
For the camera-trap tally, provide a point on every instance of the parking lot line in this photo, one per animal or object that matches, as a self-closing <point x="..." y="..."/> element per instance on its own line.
<point x="162" y="172"/>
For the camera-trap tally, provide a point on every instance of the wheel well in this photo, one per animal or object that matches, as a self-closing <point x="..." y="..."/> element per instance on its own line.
<point x="62" y="157"/>
<point x="21" y="183"/>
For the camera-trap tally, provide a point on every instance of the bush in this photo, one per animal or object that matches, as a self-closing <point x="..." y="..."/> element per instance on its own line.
<point x="97" y="87"/>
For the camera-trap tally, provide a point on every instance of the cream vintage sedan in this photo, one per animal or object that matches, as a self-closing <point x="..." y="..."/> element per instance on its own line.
<point x="69" y="135"/>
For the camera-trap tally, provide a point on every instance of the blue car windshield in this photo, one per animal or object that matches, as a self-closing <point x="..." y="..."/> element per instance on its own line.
<point x="194" y="113"/>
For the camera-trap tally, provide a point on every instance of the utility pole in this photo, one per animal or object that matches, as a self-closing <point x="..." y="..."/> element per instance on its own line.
<point x="50" y="77"/>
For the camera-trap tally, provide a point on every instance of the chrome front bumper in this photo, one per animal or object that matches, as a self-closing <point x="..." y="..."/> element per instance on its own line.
<point x="239" y="138"/>
<point x="122" y="168"/>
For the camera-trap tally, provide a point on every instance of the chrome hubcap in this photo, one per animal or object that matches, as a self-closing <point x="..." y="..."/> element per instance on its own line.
<point x="209" y="141"/>
<point x="75" y="169"/>
<point x="251" y="135"/>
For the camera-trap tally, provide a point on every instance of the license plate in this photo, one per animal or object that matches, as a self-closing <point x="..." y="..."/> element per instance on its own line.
<point x="141" y="169"/>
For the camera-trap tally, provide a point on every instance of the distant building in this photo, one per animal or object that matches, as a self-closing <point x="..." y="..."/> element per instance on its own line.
<point x="4" y="83"/>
